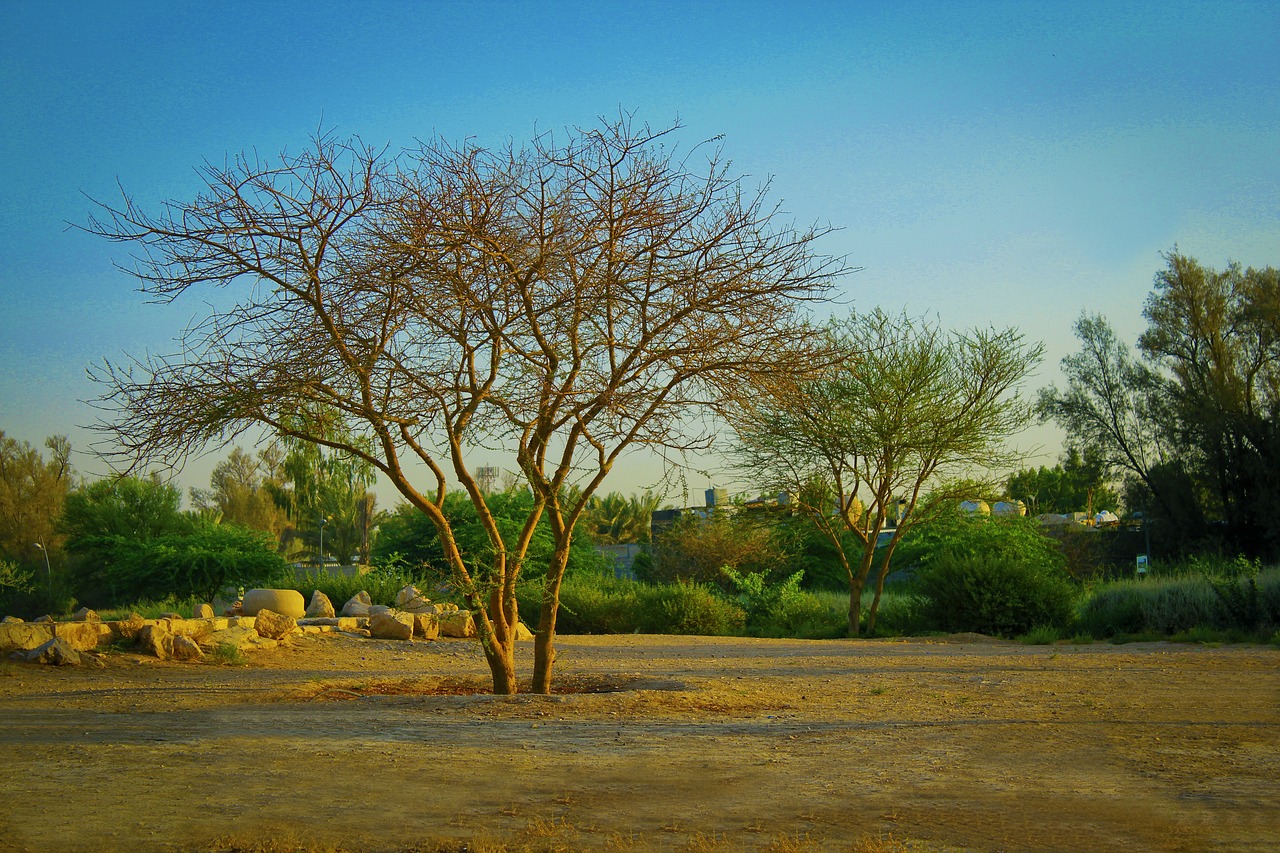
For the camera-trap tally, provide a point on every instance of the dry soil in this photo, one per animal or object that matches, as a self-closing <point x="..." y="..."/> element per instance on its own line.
<point x="660" y="743"/>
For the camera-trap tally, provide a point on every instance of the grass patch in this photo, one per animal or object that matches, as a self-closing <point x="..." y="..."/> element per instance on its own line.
<point x="226" y="654"/>
<point x="1041" y="635"/>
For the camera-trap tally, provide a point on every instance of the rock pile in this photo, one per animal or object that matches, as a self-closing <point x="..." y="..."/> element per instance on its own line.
<point x="172" y="637"/>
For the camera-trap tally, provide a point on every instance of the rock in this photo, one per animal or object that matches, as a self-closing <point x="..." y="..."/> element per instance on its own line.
<point x="320" y="607"/>
<point x="457" y="623"/>
<point x="197" y="628"/>
<point x="241" y="621"/>
<point x="84" y="614"/>
<point x="288" y="602"/>
<point x="391" y="626"/>
<point x="239" y="637"/>
<point x="44" y="618"/>
<point x="379" y="608"/>
<point x="426" y="626"/>
<point x="340" y="623"/>
<point x="202" y="611"/>
<point x="185" y="648"/>
<point x="127" y="629"/>
<point x="171" y="616"/>
<point x="25" y="636"/>
<point x="523" y="634"/>
<point x="411" y="599"/>
<point x="56" y="652"/>
<point x="156" y="640"/>
<point x="274" y="626"/>
<point x="83" y="636"/>
<point x="357" y="605"/>
<point x="11" y="620"/>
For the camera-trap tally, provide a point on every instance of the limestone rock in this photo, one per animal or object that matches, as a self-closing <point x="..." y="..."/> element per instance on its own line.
<point x="156" y="640"/>
<point x="11" y="619"/>
<point x="127" y="629"/>
<point x="391" y="626"/>
<point x="357" y="605"/>
<point x="339" y="623"/>
<point x="24" y="636"/>
<point x="84" y="614"/>
<point x="411" y="599"/>
<point x="375" y="609"/>
<point x="285" y="601"/>
<point x="83" y="636"/>
<point x="202" y="611"/>
<point x="197" y="628"/>
<point x="171" y="616"/>
<point x="426" y="626"/>
<point x="239" y="637"/>
<point x="56" y="652"/>
<point x="185" y="648"/>
<point x="523" y="634"/>
<point x="274" y="626"/>
<point x="44" y="618"/>
<point x="457" y="623"/>
<point x="320" y="607"/>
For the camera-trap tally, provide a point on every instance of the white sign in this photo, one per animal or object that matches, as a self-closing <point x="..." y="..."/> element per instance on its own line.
<point x="1142" y="564"/>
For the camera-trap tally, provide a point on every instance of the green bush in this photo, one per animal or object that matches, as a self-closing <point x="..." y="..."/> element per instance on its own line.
<point x="1115" y="608"/>
<point x="680" y="608"/>
<point x="382" y="584"/>
<point x="1042" y="635"/>
<point x="590" y="603"/>
<point x="901" y="614"/>
<point x="994" y="594"/>
<point x="1180" y="604"/>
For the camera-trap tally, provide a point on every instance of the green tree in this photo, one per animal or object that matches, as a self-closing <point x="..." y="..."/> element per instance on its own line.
<point x="616" y="519"/>
<point x="1215" y="335"/>
<point x="1078" y="483"/>
<point x="906" y="406"/>
<point x="562" y="303"/>
<point x="243" y="491"/>
<point x="32" y="491"/>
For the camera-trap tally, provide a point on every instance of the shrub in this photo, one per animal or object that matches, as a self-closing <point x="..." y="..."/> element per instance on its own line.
<point x="684" y="608"/>
<point x="901" y="614"/>
<point x="1041" y="635"/>
<point x="590" y="603"/>
<point x="1115" y="608"/>
<point x="994" y="594"/>
<point x="1180" y="604"/>
<point x="381" y="583"/>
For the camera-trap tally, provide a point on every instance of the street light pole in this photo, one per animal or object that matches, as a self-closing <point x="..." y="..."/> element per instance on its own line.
<point x="323" y="522"/>
<point x="48" y="570"/>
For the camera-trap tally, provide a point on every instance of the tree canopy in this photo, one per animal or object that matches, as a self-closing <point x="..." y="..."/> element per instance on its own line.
<point x="856" y="442"/>
<point x="560" y="302"/>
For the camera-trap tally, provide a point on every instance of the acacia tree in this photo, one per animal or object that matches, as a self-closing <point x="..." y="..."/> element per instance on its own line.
<point x="856" y="443"/>
<point x="561" y="302"/>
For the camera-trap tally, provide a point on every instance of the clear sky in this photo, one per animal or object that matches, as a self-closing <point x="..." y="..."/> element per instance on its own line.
<point x="993" y="163"/>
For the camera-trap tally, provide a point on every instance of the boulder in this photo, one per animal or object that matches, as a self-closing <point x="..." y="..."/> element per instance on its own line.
<point x="391" y="626"/>
<point x="426" y="626"/>
<point x="9" y="619"/>
<point x="83" y="636"/>
<point x="202" y="611"/>
<point x="288" y="602"/>
<point x="274" y="626"/>
<point x="340" y="623"/>
<point x="197" y="628"/>
<point x="84" y="614"/>
<point x="171" y="616"/>
<point x="357" y="605"/>
<point x="56" y="652"/>
<point x="156" y="640"/>
<point x="523" y="634"/>
<point x="320" y="607"/>
<point x="185" y="648"/>
<point x="24" y="636"/>
<point x="127" y="629"/>
<point x="44" y="618"/>
<point x="411" y="599"/>
<point x="375" y="609"/>
<point x="457" y="623"/>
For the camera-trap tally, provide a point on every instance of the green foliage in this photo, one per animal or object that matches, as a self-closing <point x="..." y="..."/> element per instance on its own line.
<point x="226" y="654"/>
<point x="382" y="583"/>
<point x="592" y="604"/>
<point x="687" y="608"/>
<point x="1116" y="608"/>
<point x="1009" y="538"/>
<point x="197" y="563"/>
<point x="411" y="536"/>
<point x="14" y="577"/>
<point x="1174" y="604"/>
<point x="1078" y="483"/>
<point x="994" y="593"/>
<point x="1042" y="635"/>
<point x="901" y="614"/>
<point x="696" y="550"/>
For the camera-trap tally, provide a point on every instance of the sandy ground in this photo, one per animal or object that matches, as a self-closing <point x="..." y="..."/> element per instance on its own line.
<point x="698" y="743"/>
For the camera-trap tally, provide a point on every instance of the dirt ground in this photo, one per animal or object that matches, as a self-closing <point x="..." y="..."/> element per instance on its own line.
<point x="670" y="743"/>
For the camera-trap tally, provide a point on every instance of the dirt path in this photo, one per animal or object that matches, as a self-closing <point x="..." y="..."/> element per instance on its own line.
<point x="704" y="743"/>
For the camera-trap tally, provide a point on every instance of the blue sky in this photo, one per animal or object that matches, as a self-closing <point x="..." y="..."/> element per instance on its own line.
<point x="988" y="163"/>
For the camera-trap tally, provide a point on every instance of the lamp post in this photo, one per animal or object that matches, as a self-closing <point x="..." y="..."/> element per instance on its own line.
<point x="48" y="570"/>
<point x="323" y="522"/>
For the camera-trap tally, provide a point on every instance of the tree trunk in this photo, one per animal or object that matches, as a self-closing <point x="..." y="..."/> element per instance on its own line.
<point x="855" y="606"/>
<point x="544" y="649"/>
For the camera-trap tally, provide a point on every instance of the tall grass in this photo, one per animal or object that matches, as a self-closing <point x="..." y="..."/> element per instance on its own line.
<point x="1175" y="604"/>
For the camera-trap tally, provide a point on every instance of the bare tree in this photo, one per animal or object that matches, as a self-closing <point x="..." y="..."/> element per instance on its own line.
<point x="856" y="443"/>
<point x="561" y="302"/>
